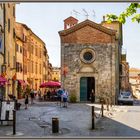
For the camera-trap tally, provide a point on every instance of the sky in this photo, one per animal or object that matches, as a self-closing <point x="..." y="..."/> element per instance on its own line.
<point x="46" y="19"/>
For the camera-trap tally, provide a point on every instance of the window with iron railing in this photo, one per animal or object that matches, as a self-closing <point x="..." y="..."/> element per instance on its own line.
<point x="16" y="47"/>
<point x="14" y="61"/>
<point x="36" y="68"/>
<point x="13" y="11"/>
<point x="14" y="33"/>
<point x="32" y="67"/>
<point x="20" y="49"/>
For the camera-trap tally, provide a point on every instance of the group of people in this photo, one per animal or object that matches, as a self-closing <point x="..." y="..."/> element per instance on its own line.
<point x="32" y="96"/>
<point x="62" y="95"/>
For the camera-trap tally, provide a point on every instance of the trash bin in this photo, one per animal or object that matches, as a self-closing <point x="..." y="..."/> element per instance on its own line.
<point x="55" y="125"/>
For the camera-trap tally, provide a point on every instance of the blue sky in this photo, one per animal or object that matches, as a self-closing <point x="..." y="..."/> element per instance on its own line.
<point x="46" y="19"/>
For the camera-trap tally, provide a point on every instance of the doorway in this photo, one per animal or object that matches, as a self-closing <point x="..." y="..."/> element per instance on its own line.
<point x="87" y="85"/>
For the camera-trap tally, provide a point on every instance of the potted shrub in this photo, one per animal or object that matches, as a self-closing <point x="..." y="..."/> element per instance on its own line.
<point x="73" y="97"/>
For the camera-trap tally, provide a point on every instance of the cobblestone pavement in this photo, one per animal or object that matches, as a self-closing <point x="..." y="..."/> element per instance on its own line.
<point x="36" y="121"/>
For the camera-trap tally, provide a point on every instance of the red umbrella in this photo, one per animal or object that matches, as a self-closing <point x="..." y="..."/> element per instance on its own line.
<point x="51" y="84"/>
<point x="43" y="85"/>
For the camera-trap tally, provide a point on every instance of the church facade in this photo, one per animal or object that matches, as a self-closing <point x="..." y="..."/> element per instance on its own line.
<point x="90" y="59"/>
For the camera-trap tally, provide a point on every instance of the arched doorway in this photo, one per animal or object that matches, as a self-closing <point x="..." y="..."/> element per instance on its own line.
<point x="87" y="84"/>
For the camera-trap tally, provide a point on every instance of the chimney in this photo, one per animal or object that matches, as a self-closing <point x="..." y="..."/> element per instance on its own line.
<point x="70" y="22"/>
<point x="103" y="18"/>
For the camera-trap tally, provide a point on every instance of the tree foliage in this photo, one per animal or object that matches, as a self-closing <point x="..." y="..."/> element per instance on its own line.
<point x="130" y="11"/>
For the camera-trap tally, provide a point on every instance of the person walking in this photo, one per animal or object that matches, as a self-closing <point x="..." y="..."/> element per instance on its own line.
<point x="32" y="96"/>
<point x="39" y="95"/>
<point x="1" y="97"/>
<point x="26" y="101"/>
<point x="65" y="98"/>
<point x="60" y="96"/>
<point x="92" y="96"/>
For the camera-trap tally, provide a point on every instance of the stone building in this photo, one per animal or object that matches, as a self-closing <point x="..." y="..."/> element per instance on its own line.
<point x="90" y="58"/>
<point x="124" y="74"/>
<point x="134" y="78"/>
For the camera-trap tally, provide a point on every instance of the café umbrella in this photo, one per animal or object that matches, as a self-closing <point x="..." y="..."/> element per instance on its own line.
<point x="50" y="84"/>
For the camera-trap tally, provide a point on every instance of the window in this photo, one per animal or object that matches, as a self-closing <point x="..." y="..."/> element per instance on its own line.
<point x="24" y="38"/>
<point x="14" y="33"/>
<point x="20" y="49"/>
<point x="24" y="52"/>
<point x="40" y="68"/>
<point x="17" y="47"/>
<point x="8" y="58"/>
<point x="32" y="49"/>
<point x="36" y="68"/>
<point x="19" y="67"/>
<point x="40" y="53"/>
<point x="9" y="25"/>
<point x="14" y="61"/>
<point x="36" y="51"/>
<point x="87" y="55"/>
<point x="28" y="66"/>
<point x="25" y="69"/>
<point x="8" y="5"/>
<point x="13" y="11"/>
<point x="32" y="67"/>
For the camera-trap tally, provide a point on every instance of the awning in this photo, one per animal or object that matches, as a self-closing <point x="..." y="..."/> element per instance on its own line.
<point x="3" y="79"/>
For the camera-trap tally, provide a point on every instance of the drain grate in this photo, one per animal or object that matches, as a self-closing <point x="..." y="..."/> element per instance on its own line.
<point x="33" y="118"/>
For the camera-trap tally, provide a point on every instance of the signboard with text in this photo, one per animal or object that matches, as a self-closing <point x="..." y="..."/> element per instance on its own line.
<point x="6" y="110"/>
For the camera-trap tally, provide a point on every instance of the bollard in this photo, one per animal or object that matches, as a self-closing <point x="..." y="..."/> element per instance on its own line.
<point x="55" y="125"/>
<point x="14" y="122"/>
<point x="102" y="109"/>
<point x="93" y="124"/>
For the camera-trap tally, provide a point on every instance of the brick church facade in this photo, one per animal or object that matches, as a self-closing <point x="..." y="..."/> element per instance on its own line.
<point x="90" y="58"/>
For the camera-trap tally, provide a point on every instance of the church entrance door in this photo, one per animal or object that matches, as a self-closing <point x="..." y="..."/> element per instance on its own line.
<point x="87" y="89"/>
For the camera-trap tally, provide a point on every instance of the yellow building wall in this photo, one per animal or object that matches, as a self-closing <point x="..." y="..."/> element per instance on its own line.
<point x="56" y="74"/>
<point x="10" y="48"/>
<point x="35" y="57"/>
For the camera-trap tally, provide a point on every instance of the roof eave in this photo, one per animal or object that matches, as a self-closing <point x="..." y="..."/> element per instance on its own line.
<point x="90" y="23"/>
